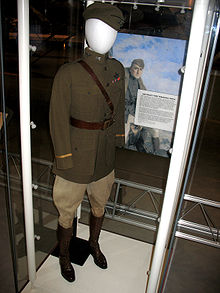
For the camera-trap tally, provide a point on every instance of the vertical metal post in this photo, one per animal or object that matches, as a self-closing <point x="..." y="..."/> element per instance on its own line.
<point x="183" y="132"/>
<point x="24" y="97"/>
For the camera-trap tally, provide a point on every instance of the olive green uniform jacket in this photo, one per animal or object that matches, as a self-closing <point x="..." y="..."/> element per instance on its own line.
<point x="83" y="155"/>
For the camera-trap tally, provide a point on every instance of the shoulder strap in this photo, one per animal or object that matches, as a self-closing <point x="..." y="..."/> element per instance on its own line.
<point x="95" y="78"/>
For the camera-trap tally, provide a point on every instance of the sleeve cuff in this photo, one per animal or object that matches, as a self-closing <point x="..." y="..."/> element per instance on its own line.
<point x="64" y="162"/>
<point x="120" y="140"/>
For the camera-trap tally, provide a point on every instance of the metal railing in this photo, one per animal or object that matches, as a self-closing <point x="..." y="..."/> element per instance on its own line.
<point x="125" y="212"/>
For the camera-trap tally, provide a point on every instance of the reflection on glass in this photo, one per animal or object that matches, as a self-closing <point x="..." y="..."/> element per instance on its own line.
<point x="200" y="215"/>
<point x="9" y="23"/>
<point x="204" y="175"/>
<point x="57" y="37"/>
<point x="56" y="32"/>
<point x="137" y="200"/>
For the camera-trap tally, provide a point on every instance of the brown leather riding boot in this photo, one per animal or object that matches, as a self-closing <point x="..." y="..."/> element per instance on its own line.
<point x="95" y="228"/>
<point x="64" y="237"/>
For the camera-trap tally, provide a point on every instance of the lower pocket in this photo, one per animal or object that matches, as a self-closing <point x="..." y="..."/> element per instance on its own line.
<point x="84" y="154"/>
<point x="84" y="161"/>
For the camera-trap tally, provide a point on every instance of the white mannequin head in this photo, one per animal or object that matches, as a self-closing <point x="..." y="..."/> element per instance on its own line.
<point x="99" y="35"/>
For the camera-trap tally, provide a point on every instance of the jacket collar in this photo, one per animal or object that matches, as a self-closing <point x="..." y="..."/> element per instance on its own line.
<point x="94" y="57"/>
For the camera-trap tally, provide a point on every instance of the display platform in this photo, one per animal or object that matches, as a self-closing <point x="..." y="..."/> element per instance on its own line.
<point x="79" y="251"/>
<point x="78" y="248"/>
<point x="128" y="263"/>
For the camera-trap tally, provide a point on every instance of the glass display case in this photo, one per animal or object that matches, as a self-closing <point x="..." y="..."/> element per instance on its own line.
<point x="173" y="42"/>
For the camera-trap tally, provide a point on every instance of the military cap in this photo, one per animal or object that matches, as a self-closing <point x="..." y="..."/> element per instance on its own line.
<point x="139" y="62"/>
<point x="108" y="13"/>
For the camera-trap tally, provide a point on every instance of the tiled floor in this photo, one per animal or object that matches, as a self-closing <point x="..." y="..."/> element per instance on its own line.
<point x="128" y="263"/>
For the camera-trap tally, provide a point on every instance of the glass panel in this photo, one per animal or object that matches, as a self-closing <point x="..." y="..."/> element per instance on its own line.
<point x="142" y="166"/>
<point x="194" y="268"/>
<point x="205" y="171"/>
<point x="199" y="220"/>
<point x="9" y="13"/>
<point x="8" y="280"/>
<point x="56" y="38"/>
<point x="204" y="174"/>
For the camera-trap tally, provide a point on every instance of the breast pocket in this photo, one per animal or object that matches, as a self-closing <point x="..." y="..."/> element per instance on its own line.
<point x="85" y="99"/>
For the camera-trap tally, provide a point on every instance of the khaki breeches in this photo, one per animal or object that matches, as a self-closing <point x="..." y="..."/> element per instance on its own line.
<point x="68" y="196"/>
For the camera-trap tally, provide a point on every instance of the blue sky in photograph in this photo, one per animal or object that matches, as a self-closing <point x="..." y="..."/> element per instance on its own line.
<point x="163" y="59"/>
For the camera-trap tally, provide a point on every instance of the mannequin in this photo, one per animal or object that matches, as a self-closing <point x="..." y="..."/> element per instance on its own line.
<point x="99" y="35"/>
<point x="85" y="128"/>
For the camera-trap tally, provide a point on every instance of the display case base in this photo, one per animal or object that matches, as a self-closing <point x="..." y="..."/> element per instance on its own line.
<point x="79" y="251"/>
<point x="79" y="248"/>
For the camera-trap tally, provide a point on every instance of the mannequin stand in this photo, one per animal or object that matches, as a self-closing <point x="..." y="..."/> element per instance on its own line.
<point x="79" y="248"/>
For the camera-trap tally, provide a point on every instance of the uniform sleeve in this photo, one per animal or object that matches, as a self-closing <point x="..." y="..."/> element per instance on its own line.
<point x="120" y="132"/>
<point x="59" y="118"/>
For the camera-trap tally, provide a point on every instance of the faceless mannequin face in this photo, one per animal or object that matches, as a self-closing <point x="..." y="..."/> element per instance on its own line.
<point x="99" y="35"/>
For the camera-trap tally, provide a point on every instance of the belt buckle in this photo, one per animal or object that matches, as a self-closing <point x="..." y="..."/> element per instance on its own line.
<point x="107" y="123"/>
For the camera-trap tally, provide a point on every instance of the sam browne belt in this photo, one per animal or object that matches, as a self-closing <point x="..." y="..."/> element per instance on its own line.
<point x="91" y="125"/>
<point x="94" y="125"/>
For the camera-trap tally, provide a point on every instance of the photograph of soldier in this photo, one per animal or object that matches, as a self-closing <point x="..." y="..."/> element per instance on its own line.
<point x="151" y="64"/>
<point x="143" y="139"/>
<point x="86" y="125"/>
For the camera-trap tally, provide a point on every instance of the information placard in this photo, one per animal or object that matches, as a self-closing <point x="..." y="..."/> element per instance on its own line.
<point x="156" y="110"/>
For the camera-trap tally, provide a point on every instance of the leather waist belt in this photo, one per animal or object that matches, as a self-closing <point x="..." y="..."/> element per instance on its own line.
<point x="91" y="125"/>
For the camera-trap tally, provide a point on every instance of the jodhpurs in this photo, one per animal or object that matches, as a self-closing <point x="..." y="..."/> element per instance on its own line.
<point x="68" y="196"/>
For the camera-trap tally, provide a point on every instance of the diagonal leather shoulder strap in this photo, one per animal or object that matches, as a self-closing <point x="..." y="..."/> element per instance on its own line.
<point x="95" y="78"/>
